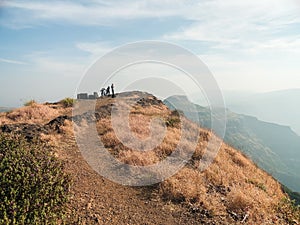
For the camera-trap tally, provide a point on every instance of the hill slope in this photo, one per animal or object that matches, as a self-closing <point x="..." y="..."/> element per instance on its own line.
<point x="231" y="191"/>
<point x="273" y="147"/>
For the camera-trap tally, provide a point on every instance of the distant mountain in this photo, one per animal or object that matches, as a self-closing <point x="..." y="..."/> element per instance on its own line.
<point x="5" y="109"/>
<point x="281" y="107"/>
<point x="275" y="148"/>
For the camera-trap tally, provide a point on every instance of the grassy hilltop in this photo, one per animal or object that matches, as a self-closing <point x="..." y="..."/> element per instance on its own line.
<point x="233" y="190"/>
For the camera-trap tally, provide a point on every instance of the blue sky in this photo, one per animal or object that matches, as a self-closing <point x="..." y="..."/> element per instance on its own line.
<point x="46" y="46"/>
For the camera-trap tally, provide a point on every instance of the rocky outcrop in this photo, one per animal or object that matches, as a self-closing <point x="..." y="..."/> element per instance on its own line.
<point x="31" y="131"/>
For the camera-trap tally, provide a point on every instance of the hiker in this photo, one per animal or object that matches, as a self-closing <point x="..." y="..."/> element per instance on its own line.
<point x="112" y="90"/>
<point x="102" y="92"/>
<point x="108" y="91"/>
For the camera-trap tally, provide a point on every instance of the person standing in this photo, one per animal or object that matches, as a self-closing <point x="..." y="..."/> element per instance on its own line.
<point x="102" y="91"/>
<point x="112" y="90"/>
<point x="108" y="91"/>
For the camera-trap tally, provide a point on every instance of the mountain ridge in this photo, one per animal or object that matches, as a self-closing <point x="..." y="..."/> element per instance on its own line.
<point x="5" y="109"/>
<point x="276" y="106"/>
<point x="255" y="137"/>
<point x="232" y="190"/>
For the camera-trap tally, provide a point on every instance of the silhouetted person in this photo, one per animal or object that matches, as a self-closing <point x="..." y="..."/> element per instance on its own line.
<point x="102" y="92"/>
<point x="112" y="90"/>
<point x="108" y="90"/>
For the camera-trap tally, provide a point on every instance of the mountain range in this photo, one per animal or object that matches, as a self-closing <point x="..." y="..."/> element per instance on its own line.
<point x="5" y="109"/>
<point x="273" y="147"/>
<point x="281" y="107"/>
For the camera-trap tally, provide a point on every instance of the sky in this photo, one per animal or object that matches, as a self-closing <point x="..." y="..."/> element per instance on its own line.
<point x="47" y="46"/>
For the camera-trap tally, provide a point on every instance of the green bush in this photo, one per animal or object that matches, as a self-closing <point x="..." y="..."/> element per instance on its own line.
<point x="289" y="210"/>
<point x="293" y="195"/>
<point x="30" y="103"/>
<point x="68" y="102"/>
<point x="174" y="119"/>
<point x="33" y="187"/>
<point x="173" y="122"/>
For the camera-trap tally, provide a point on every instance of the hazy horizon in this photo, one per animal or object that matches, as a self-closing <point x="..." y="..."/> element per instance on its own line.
<point x="48" y="46"/>
<point x="232" y="95"/>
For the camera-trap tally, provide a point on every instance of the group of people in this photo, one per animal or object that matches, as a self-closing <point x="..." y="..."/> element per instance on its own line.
<point x="106" y="91"/>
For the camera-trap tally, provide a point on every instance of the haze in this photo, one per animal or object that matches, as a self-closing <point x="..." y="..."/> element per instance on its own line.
<point x="250" y="46"/>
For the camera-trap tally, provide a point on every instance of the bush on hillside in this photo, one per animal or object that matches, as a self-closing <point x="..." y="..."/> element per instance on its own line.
<point x="33" y="187"/>
<point x="174" y="119"/>
<point x="68" y="102"/>
<point x="289" y="210"/>
<point x="30" y="103"/>
<point x="293" y="195"/>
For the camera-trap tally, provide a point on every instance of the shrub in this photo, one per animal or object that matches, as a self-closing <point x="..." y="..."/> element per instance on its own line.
<point x="68" y="102"/>
<point x="289" y="211"/>
<point x="30" y="103"/>
<point x="173" y="120"/>
<point x="33" y="187"/>
<point x="257" y="184"/>
<point x="293" y="195"/>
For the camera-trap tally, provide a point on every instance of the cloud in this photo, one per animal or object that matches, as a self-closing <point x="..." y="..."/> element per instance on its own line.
<point x="13" y="61"/>
<point x="92" y="13"/>
<point x="245" y="39"/>
<point x="55" y="67"/>
<point x="48" y="63"/>
<point x="48" y="78"/>
<point x="96" y="49"/>
<point x="257" y="74"/>
<point x="247" y="25"/>
<point x="283" y="44"/>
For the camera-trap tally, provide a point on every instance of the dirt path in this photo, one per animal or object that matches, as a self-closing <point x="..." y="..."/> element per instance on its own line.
<point x="97" y="200"/>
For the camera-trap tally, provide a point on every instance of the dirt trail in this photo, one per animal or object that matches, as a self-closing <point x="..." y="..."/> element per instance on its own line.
<point x="97" y="200"/>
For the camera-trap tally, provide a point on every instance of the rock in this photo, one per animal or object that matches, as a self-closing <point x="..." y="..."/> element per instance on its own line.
<point x="32" y="131"/>
<point x="29" y="131"/>
<point x="56" y="123"/>
<point x="149" y="101"/>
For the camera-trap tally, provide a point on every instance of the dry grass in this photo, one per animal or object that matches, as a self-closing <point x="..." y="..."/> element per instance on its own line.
<point x="33" y="113"/>
<point x="137" y="158"/>
<point x="239" y="201"/>
<point x="68" y="128"/>
<point x="241" y="198"/>
<point x="110" y="140"/>
<point x="230" y="171"/>
<point x="186" y="185"/>
<point x="232" y="184"/>
<point x="51" y="139"/>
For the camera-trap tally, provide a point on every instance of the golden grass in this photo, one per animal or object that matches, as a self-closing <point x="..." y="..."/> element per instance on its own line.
<point x="137" y="158"/>
<point x="52" y="140"/>
<point x="244" y="198"/>
<point x="186" y="185"/>
<point x="232" y="183"/>
<point x="34" y="113"/>
<point x="68" y="128"/>
<point x="254" y="201"/>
